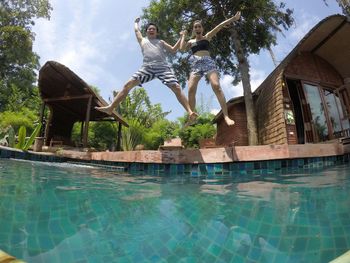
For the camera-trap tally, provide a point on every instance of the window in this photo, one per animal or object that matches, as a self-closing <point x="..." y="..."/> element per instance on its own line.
<point x="317" y="109"/>
<point x="328" y="118"/>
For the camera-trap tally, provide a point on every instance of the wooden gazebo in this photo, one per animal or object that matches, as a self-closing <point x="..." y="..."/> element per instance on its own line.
<point x="69" y="100"/>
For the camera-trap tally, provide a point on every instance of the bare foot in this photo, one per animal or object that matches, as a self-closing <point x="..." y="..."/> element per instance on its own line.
<point x="228" y="121"/>
<point x="105" y="109"/>
<point x="193" y="116"/>
<point x="191" y="119"/>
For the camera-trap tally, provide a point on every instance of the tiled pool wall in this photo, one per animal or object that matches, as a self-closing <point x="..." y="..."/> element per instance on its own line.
<point x="280" y="166"/>
<point x="234" y="168"/>
<point x="24" y="155"/>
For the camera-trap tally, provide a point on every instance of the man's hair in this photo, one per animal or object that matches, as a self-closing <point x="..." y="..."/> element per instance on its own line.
<point x="152" y="24"/>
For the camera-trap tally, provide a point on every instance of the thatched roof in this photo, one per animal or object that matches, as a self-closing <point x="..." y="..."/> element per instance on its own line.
<point x="67" y="94"/>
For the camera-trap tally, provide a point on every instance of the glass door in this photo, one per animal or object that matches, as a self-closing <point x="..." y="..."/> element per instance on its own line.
<point x="343" y="95"/>
<point x="328" y="119"/>
<point x="336" y="116"/>
<point x="316" y="106"/>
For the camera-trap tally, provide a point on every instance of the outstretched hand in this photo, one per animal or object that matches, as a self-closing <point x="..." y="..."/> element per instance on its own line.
<point x="183" y="33"/>
<point x="137" y="19"/>
<point x="232" y="19"/>
<point x="237" y="16"/>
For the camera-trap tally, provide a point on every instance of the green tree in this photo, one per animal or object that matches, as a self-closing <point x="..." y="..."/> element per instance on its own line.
<point x="256" y="30"/>
<point x="159" y="132"/>
<point x="23" y="117"/>
<point x="138" y="106"/>
<point x="18" y="62"/>
<point x="102" y="135"/>
<point x="141" y="115"/>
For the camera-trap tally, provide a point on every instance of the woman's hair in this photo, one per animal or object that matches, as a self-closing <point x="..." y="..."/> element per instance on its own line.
<point x="152" y="24"/>
<point x="199" y="21"/>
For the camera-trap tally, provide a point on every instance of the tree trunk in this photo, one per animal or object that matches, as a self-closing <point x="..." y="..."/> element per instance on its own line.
<point x="247" y="92"/>
<point x="272" y="56"/>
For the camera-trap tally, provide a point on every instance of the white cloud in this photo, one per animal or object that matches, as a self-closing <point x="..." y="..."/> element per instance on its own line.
<point x="303" y="25"/>
<point x="304" y="22"/>
<point x="214" y="111"/>
<point x="46" y="35"/>
<point x="76" y="41"/>
<point x="226" y="83"/>
<point x="125" y="36"/>
<point x="256" y="78"/>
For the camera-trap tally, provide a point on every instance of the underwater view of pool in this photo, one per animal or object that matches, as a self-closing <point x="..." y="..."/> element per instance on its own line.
<point x="52" y="212"/>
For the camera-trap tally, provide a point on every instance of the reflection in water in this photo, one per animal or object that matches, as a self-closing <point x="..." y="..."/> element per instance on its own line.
<point x="216" y="188"/>
<point x="97" y="215"/>
<point x="83" y="236"/>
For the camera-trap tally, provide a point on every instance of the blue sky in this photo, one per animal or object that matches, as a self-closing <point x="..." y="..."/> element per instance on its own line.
<point x="95" y="39"/>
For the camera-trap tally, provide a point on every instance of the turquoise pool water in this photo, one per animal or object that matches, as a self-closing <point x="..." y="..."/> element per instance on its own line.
<point x="69" y="213"/>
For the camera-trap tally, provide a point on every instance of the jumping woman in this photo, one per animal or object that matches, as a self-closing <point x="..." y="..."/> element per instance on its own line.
<point x="202" y="64"/>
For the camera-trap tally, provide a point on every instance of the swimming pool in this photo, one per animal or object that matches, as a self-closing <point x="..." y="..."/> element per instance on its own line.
<point x="52" y="212"/>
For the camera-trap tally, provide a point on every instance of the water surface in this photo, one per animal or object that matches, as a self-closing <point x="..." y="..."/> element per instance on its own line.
<point x="69" y="213"/>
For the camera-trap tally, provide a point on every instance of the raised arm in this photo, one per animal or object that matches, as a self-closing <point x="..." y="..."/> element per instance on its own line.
<point x="175" y="47"/>
<point x="183" y="44"/>
<point x="137" y="30"/>
<point x="216" y="29"/>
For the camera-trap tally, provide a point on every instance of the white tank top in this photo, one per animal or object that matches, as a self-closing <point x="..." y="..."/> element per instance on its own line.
<point x="153" y="52"/>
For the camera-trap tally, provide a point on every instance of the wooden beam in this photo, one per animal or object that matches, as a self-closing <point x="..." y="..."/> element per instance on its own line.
<point x="87" y="120"/>
<point x="42" y="111"/>
<point x="119" y="136"/>
<point x="85" y="96"/>
<point x="119" y="118"/>
<point x="329" y="36"/>
<point x="81" y="131"/>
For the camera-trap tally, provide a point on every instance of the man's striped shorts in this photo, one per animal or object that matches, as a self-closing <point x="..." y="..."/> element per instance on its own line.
<point x="163" y="72"/>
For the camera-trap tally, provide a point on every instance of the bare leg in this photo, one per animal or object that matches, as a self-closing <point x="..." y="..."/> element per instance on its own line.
<point x="192" y="90"/>
<point x="183" y="100"/>
<point x="215" y="84"/>
<point x="120" y="96"/>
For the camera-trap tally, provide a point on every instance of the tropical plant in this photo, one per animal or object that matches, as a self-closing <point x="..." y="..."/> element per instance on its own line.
<point x="23" y="143"/>
<point x="132" y="135"/>
<point x="159" y="132"/>
<point x="21" y="117"/>
<point x="142" y="115"/>
<point x="11" y="137"/>
<point x="8" y="137"/>
<point x="138" y="106"/>
<point x="203" y="129"/>
<point x="256" y="30"/>
<point x="102" y="135"/>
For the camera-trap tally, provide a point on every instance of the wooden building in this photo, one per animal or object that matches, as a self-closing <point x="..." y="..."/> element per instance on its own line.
<point x="69" y="100"/>
<point x="306" y="99"/>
